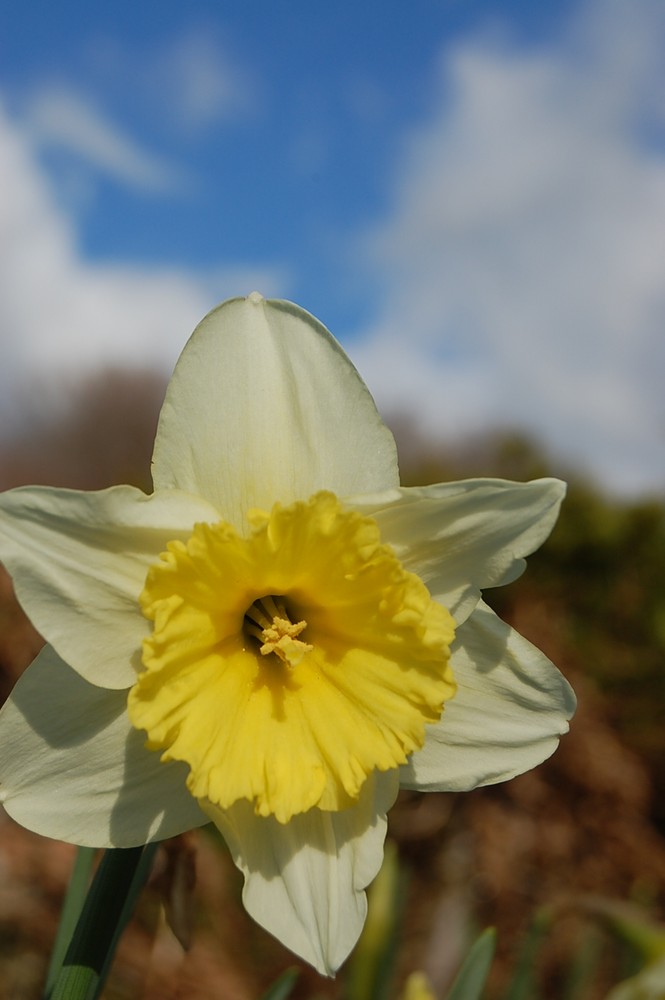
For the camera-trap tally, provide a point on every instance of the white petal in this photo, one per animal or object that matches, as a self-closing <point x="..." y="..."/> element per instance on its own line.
<point x="79" y="561"/>
<point x="648" y="984"/>
<point x="264" y="406"/>
<point x="461" y="537"/>
<point x="72" y="767"/>
<point x="305" y="880"/>
<point x="511" y="707"/>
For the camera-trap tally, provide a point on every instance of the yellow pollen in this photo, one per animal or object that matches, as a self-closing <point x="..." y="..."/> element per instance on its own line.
<point x="269" y="622"/>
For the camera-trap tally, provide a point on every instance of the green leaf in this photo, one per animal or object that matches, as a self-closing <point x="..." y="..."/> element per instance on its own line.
<point x="472" y="977"/>
<point x="282" y="986"/>
<point x="107" y="909"/>
<point x="524" y="984"/>
<point x="71" y="911"/>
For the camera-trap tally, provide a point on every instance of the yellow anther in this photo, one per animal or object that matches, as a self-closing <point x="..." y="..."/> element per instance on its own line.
<point x="281" y="638"/>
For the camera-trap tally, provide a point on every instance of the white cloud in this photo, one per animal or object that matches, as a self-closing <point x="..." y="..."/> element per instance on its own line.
<point x="203" y="83"/>
<point x="60" y="117"/>
<point x="523" y="259"/>
<point x="60" y="314"/>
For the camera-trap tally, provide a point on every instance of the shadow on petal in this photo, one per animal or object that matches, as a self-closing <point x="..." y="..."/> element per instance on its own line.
<point x="512" y="706"/>
<point x="60" y="706"/>
<point x="304" y="879"/>
<point x="153" y="801"/>
<point x="74" y="769"/>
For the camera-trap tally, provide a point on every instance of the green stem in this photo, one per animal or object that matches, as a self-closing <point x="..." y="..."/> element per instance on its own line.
<point x="71" y="910"/>
<point x="107" y="908"/>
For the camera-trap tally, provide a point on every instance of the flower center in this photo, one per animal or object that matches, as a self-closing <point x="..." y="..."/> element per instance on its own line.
<point x="287" y="666"/>
<point x="268" y="621"/>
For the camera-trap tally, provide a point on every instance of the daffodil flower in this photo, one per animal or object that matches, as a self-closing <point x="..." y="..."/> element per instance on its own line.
<point x="276" y="638"/>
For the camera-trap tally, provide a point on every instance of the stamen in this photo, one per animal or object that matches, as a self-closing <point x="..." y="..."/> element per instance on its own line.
<point x="268" y="621"/>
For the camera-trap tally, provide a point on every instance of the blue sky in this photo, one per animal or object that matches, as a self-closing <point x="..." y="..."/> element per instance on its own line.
<point x="471" y="195"/>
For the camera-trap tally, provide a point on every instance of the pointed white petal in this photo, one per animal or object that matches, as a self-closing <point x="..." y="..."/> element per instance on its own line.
<point x="305" y="880"/>
<point x="510" y="709"/>
<point x="72" y="767"/>
<point x="461" y="537"/>
<point x="264" y="406"/>
<point x="79" y="561"/>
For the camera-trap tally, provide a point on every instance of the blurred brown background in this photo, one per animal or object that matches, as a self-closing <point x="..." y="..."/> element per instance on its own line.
<point x="580" y="833"/>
